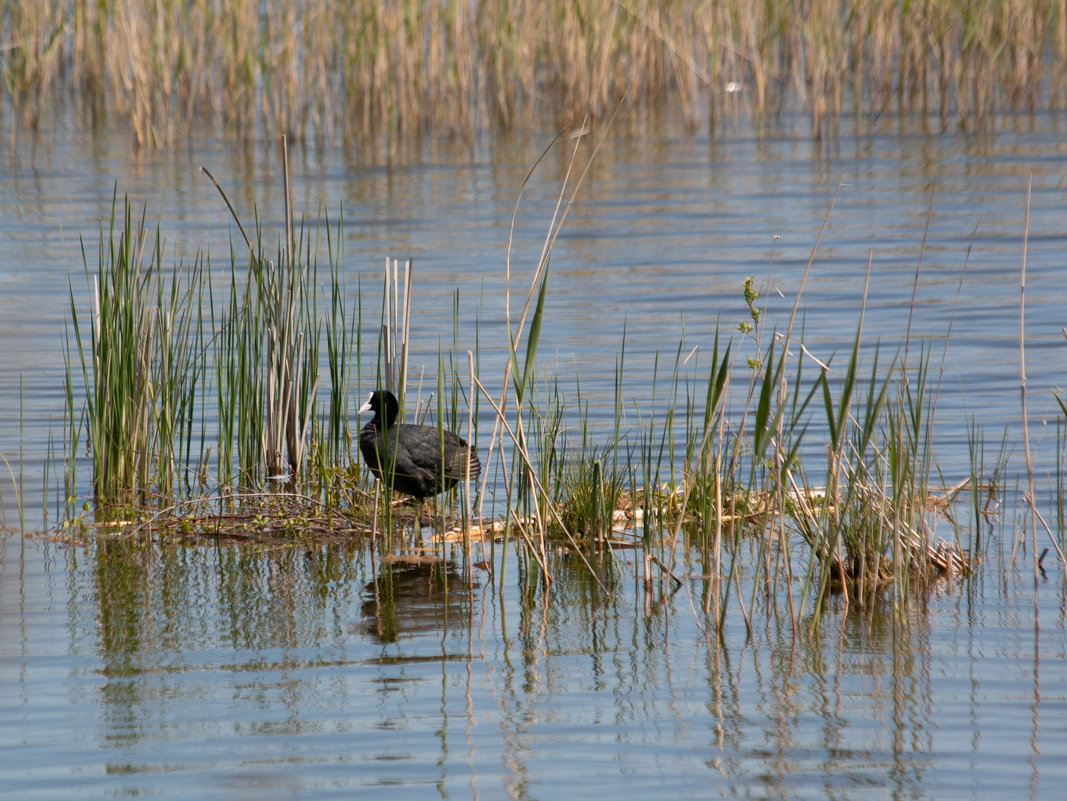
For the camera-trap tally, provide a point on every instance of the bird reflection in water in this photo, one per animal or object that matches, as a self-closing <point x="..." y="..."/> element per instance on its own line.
<point x="409" y="598"/>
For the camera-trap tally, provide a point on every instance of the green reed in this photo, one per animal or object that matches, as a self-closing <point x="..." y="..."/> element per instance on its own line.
<point x="178" y="389"/>
<point x="139" y="372"/>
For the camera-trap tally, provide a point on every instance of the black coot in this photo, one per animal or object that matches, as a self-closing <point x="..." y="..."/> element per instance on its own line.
<point x="424" y="461"/>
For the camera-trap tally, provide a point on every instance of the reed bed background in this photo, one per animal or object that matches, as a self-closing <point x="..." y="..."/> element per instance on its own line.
<point x="336" y="71"/>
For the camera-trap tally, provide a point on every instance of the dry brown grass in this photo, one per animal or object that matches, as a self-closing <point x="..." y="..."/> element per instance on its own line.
<point x="338" y="70"/>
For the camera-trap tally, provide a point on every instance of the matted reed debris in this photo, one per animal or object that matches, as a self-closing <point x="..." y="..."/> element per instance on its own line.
<point x="758" y="513"/>
<point x="928" y="553"/>
<point x="281" y="518"/>
<point x="265" y="518"/>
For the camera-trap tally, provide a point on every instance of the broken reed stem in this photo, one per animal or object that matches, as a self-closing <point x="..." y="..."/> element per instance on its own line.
<point x="396" y="325"/>
<point x="236" y="219"/>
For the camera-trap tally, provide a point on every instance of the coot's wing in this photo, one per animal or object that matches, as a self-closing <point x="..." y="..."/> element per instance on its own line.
<point x="436" y="459"/>
<point x="458" y="452"/>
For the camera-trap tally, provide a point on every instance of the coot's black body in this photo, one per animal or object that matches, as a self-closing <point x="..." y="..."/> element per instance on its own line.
<point x="424" y="460"/>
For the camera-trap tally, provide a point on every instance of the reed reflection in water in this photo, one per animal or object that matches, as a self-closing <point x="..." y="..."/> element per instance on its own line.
<point x="299" y="671"/>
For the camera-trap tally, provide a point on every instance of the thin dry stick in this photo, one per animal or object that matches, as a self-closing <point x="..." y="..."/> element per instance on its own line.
<point x="1022" y="395"/>
<point x="717" y="558"/>
<point x="1052" y="539"/>
<point x="288" y="198"/>
<point x="555" y="226"/>
<point x="397" y="326"/>
<point x="387" y="327"/>
<point x="788" y="335"/>
<point x="540" y="489"/>
<point x="408" y="275"/>
<point x="283" y="324"/>
<point x="467" y="470"/>
<point x="233" y="213"/>
<point x="533" y="284"/>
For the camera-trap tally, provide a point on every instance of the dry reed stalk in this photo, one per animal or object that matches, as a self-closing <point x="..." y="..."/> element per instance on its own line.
<point x="31" y="50"/>
<point x="234" y="30"/>
<point x="396" y="325"/>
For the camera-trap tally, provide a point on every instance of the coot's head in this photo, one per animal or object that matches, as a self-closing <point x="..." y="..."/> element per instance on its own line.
<point x="384" y="405"/>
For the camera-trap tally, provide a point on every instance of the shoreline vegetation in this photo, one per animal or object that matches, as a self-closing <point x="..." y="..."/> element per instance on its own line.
<point x="330" y="71"/>
<point x="771" y="478"/>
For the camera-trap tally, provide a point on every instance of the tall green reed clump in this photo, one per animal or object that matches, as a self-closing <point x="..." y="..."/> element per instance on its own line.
<point x="817" y="481"/>
<point x="267" y="370"/>
<point x="141" y="370"/>
<point x="863" y="498"/>
<point x="173" y="375"/>
<point x="750" y="485"/>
